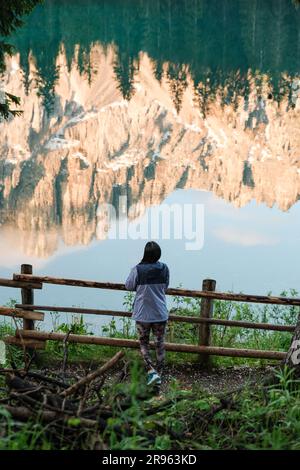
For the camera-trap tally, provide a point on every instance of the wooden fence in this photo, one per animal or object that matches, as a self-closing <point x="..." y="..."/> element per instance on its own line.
<point x="28" y="337"/>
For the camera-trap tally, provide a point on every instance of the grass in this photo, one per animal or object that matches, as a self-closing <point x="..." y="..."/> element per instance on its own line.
<point x="28" y="436"/>
<point x="261" y="418"/>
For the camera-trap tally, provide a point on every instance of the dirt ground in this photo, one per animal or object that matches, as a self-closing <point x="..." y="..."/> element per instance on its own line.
<point x="218" y="380"/>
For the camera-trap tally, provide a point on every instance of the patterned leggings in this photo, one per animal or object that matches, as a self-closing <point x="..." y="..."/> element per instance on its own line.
<point x="158" y="330"/>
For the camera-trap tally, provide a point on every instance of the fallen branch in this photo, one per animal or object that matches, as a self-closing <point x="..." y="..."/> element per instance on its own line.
<point x="90" y="377"/>
<point x="44" y="378"/>
<point x="23" y="413"/>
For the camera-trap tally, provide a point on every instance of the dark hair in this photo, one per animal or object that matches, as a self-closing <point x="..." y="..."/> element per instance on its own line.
<point x="152" y="253"/>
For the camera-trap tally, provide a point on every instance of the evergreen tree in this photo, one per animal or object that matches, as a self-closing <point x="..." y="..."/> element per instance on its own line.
<point x="11" y="18"/>
<point x="177" y="79"/>
<point x="125" y="68"/>
<point x="220" y="44"/>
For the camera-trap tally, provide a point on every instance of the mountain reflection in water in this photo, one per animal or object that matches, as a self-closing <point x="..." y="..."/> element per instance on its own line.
<point x="142" y="98"/>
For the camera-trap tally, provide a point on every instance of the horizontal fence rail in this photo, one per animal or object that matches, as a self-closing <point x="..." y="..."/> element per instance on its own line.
<point x="176" y="318"/>
<point x="264" y="299"/>
<point x="131" y="343"/>
<point x="28" y="337"/>
<point x="19" y="313"/>
<point x="20" y="284"/>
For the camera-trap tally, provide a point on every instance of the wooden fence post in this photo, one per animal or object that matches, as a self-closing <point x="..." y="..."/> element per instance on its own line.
<point x="204" y="328"/>
<point x="27" y="297"/>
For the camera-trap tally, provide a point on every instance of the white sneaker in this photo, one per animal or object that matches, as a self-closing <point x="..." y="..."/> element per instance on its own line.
<point x="153" y="378"/>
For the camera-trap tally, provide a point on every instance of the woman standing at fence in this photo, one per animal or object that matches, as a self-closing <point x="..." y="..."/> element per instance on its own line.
<point x="150" y="279"/>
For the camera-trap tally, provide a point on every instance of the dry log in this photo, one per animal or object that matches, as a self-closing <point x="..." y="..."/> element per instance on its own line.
<point x="17" y="383"/>
<point x="50" y="402"/>
<point x="23" y="413"/>
<point x="18" y="372"/>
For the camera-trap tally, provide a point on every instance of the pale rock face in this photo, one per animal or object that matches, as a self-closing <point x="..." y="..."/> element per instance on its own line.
<point x="56" y="171"/>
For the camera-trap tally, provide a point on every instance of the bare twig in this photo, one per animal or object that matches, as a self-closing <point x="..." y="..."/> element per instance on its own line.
<point x="83" y="400"/>
<point x="90" y="377"/>
<point x="45" y="378"/>
<point x="31" y="358"/>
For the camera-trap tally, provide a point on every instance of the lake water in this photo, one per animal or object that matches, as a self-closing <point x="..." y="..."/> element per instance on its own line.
<point x="190" y="106"/>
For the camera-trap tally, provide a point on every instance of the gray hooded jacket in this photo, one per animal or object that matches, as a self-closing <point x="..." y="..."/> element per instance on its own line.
<point x="150" y="281"/>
